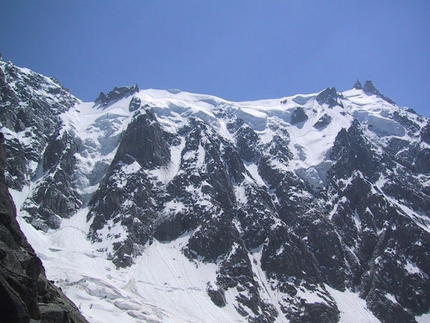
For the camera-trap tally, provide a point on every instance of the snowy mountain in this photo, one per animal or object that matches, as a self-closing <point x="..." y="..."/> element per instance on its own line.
<point x="168" y="206"/>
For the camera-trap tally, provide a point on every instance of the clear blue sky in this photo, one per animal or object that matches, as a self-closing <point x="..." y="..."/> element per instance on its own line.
<point x="238" y="50"/>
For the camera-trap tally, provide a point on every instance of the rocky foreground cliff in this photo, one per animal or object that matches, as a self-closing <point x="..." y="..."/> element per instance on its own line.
<point x="26" y="295"/>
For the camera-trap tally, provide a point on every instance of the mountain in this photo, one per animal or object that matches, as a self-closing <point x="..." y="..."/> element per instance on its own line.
<point x="168" y="206"/>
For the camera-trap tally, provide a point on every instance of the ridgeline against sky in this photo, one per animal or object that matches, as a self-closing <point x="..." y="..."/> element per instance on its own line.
<point x="235" y="50"/>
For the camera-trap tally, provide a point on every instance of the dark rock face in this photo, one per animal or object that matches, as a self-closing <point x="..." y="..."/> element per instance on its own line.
<point x="329" y="96"/>
<point x="134" y="104"/>
<point x="425" y="134"/>
<point x="384" y="233"/>
<point x="322" y="122"/>
<point x="298" y="116"/>
<point x="116" y="94"/>
<point x="370" y="89"/>
<point x="145" y="142"/>
<point x="247" y="143"/>
<point x="54" y="196"/>
<point x="353" y="153"/>
<point x="143" y="146"/>
<point x="25" y="293"/>
<point x="30" y="103"/>
<point x="358" y="85"/>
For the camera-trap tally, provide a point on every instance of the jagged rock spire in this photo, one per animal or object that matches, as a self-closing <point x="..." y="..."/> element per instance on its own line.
<point x="358" y="85"/>
<point x="370" y="88"/>
<point x="116" y="94"/>
<point x="329" y="96"/>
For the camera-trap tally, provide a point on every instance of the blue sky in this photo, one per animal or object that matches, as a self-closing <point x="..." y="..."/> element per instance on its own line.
<point x="238" y="50"/>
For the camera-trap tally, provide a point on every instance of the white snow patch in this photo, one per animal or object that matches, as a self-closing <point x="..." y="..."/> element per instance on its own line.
<point x="164" y="276"/>
<point x="201" y="154"/>
<point x="166" y="174"/>
<point x="412" y="268"/>
<point x="254" y="118"/>
<point x="357" y="221"/>
<point x="391" y="297"/>
<point x="173" y="207"/>
<point x="385" y="127"/>
<point x="352" y="308"/>
<point x="425" y="318"/>
<point x="253" y="170"/>
<point x="240" y="193"/>
<point x="266" y="136"/>
<point x="132" y="168"/>
<point x="310" y="146"/>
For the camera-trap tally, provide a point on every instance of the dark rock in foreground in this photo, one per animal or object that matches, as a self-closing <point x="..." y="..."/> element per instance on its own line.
<point x="25" y="293"/>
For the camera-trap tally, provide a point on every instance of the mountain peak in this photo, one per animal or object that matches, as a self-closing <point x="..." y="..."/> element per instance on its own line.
<point x="370" y="89"/>
<point x="328" y="96"/>
<point x="116" y="94"/>
<point x="358" y="85"/>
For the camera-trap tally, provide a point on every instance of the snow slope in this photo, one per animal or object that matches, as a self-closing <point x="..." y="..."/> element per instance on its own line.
<point x="162" y="286"/>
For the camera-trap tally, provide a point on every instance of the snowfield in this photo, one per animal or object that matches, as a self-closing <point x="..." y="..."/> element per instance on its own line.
<point x="162" y="286"/>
